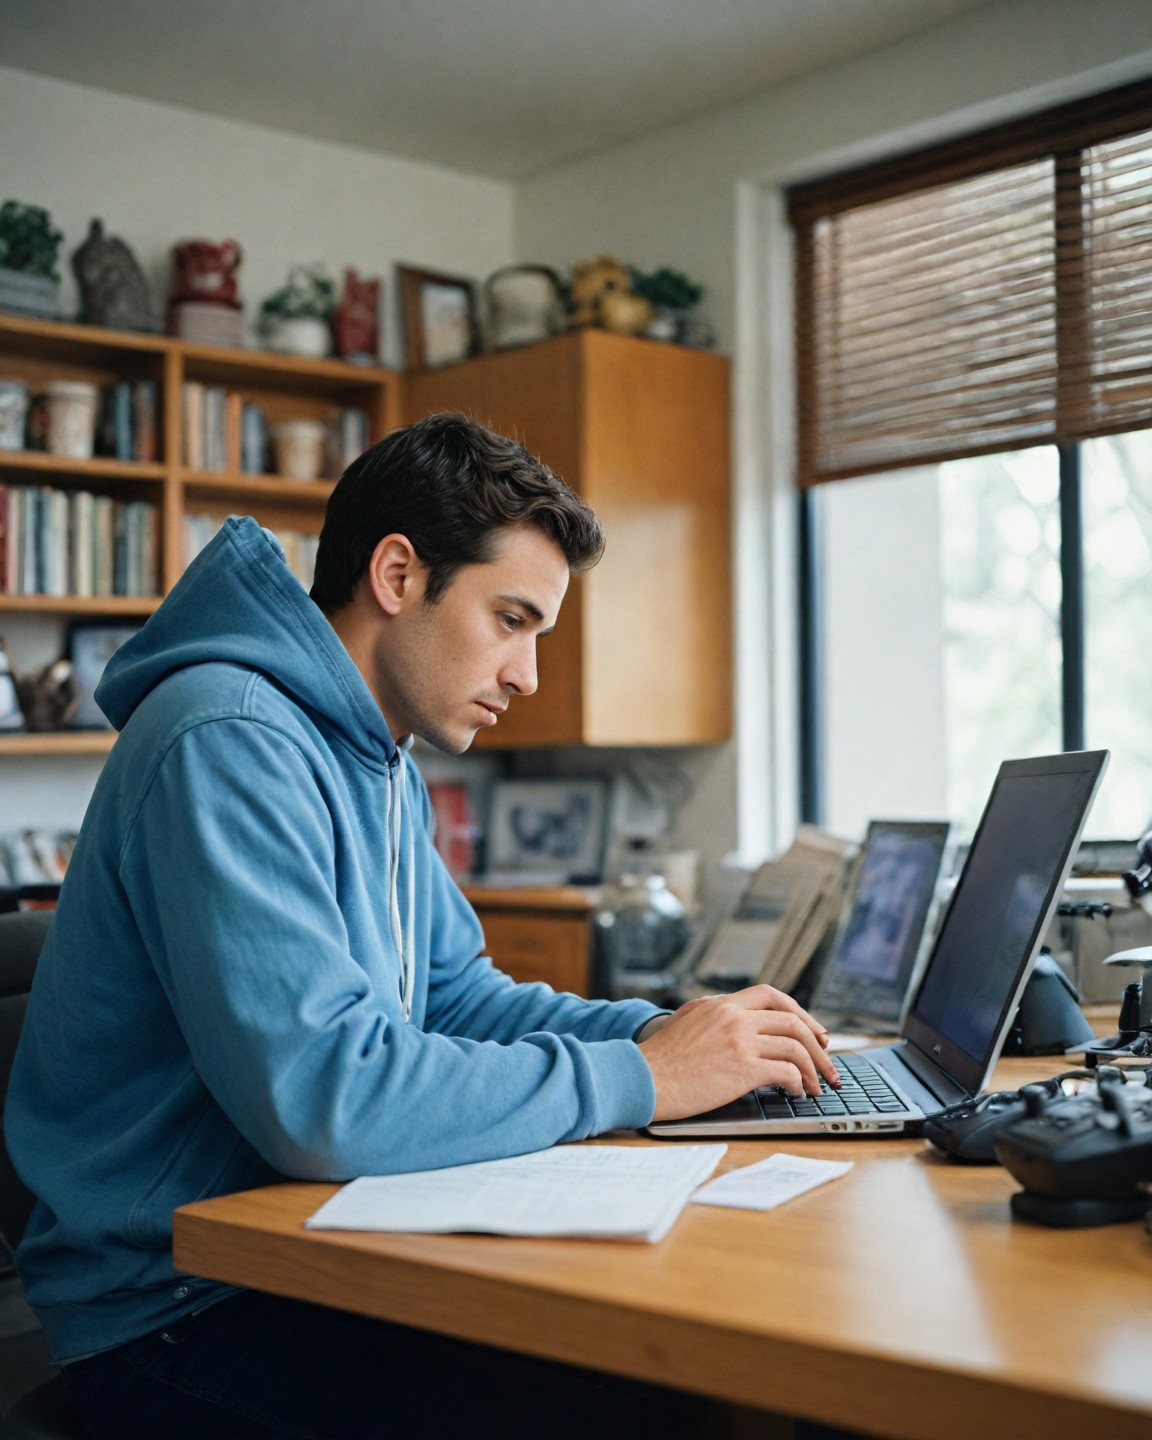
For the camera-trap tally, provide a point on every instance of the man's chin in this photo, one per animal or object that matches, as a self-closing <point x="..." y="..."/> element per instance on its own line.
<point x="448" y="744"/>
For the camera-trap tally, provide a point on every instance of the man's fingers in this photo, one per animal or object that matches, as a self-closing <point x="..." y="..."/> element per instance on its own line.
<point x="787" y="1076"/>
<point x="767" y="997"/>
<point x="783" y="1023"/>
<point x="795" y="1052"/>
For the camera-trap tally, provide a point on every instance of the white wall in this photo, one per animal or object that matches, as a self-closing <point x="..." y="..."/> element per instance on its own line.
<point x="156" y="175"/>
<point x="704" y="197"/>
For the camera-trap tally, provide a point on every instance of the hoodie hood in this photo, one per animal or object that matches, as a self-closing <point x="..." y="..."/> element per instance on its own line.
<point x="240" y="604"/>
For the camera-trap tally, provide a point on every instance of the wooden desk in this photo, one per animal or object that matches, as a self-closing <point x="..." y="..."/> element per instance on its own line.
<point x="901" y="1300"/>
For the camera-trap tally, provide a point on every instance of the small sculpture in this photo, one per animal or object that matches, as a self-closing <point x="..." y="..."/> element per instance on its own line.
<point x="113" y="290"/>
<point x="355" y="322"/>
<point x="49" y="698"/>
<point x="601" y="294"/>
<point x="205" y="272"/>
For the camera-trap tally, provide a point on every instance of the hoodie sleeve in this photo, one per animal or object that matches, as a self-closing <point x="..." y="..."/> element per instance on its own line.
<point x="238" y="909"/>
<point x="468" y="995"/>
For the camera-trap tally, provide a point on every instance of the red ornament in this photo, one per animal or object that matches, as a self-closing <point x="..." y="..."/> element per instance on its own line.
<point x="354" y="321"/>
<point x="206" y="273"/>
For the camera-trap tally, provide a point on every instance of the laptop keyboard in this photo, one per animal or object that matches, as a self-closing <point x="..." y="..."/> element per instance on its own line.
<point x="864" y="1090"/>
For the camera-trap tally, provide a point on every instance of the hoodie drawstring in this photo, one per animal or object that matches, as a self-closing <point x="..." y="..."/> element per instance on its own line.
<point x="402" y="929"/>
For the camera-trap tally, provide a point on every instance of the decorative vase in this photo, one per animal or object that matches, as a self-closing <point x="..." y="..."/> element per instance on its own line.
<point x="72" y="418"/>
<point x="307" y="336"/>
<point x="298" y="446"/>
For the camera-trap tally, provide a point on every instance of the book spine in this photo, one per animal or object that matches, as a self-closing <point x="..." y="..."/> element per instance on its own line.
<point x="215" y="439"/>
<point x="81" y="543"/>
<point x="16" y="521"/>
<point x="119" y="548"/>
<point x="151" y="550"/>
<point x="122" y="419"/>
<point x="33" y="541"/>
<point x="193" y="425"/>
<point x="253" y="440"/>
<point x="144" y="402"/>
<point x="103" y="544"/>
<point x="56" y="543"/>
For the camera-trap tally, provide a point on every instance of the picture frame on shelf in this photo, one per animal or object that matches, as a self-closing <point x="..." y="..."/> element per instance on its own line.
<point x="547" y="831"/>
<point x="91" y="644"/>
<point x="441" y="325"/>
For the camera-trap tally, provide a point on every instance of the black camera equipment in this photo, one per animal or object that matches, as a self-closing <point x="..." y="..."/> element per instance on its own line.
<point x="1083" y="1159"/>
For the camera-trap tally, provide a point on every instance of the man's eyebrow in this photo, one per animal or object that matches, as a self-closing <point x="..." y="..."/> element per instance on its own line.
<point x="528" y="607"/>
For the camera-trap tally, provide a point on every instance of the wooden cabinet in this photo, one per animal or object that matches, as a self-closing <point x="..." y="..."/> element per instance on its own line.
<point x="642" y="652"/>
<point x="40" y="352"/>
<point x="538" y="934"/>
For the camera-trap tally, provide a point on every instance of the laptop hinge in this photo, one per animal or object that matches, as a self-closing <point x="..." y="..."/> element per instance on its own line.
<point x="930" y="1075"/>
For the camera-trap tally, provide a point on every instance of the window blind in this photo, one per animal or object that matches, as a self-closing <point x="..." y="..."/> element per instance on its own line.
<point x="985" y="295"/>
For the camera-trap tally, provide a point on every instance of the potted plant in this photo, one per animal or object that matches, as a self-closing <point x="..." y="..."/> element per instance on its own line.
<point x="29" y="250"/>
<point x="296" y="319"/>
<point x="671" y="295"/>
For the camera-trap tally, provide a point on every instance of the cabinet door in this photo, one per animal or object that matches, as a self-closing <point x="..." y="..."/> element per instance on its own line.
<point x="657" y="613"/>
<point x="528" y="946"/>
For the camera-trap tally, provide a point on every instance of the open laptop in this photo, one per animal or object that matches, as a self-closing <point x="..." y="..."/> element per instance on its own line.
<point x="953" y="1033"/>
<point x="882" y="946"/>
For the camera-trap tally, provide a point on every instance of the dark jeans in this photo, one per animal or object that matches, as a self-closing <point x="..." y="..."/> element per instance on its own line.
<point x="256" y="1366"/>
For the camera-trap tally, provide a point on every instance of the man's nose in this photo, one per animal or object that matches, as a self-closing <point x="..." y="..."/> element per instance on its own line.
<point x="519" y="673"/>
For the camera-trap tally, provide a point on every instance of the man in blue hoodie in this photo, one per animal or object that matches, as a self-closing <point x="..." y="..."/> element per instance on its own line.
<point x="260" y="969"/>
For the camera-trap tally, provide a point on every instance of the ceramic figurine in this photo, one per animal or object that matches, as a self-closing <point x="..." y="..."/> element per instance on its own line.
<point x="524" y="304"/>
<point x="202" y="271"/>
<point x="355" y="323"/>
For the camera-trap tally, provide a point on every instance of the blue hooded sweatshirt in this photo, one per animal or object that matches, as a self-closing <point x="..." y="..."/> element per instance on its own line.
<point x="259" y="967"/>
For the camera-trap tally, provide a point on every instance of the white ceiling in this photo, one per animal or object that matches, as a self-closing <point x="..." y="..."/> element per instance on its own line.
<point x="502" y="88"/>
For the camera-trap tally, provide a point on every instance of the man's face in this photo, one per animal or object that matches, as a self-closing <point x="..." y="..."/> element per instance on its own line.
<point x="446" y="670"/>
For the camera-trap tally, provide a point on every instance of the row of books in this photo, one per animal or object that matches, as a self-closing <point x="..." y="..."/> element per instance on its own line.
<point x="224" y="432"/>
<point x="126" y="425"/>
<point x="64" y="543"/>
<point x="299" y="547"/>
<point x="127" y="428"/>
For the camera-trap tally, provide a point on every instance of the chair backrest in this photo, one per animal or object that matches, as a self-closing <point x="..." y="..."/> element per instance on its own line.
<point x="21" y="940"/>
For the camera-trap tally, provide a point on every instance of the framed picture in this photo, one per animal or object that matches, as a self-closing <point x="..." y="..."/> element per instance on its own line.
<point x="548" y="831"/>
<point x="440" y="325"/>
<point x="91" y="644"/>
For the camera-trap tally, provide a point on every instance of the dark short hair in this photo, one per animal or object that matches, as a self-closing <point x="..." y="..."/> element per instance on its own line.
<point x="450" y="486"/>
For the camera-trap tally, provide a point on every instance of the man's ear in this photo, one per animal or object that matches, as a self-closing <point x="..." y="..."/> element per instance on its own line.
<point x="395" y="575"/>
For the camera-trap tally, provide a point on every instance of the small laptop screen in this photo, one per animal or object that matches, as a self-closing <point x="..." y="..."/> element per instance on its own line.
<point x="1018" y="861"/>
<point x="875" y="956"/>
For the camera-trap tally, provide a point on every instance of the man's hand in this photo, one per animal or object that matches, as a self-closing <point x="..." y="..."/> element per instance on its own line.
<point x="714" y="1050"/>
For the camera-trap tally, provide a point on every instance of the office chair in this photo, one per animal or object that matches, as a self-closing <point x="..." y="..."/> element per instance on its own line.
<point x="45" y="1412"/>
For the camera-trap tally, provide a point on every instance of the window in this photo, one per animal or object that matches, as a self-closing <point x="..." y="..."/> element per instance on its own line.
<point x="974" y="362"/>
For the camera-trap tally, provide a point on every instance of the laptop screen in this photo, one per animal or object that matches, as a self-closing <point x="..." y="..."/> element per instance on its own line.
<point x="1004" y="900"/>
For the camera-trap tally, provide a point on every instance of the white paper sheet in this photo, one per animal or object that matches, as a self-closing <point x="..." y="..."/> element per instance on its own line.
<point x="770" y="1182"/>
<point x="622" y="1192"/>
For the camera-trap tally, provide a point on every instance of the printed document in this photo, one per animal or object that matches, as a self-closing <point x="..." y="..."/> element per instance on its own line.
<point x="607" y="1192"/>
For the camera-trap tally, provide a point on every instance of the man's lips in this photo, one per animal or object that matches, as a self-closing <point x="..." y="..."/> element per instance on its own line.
<point x="493" y="711"/>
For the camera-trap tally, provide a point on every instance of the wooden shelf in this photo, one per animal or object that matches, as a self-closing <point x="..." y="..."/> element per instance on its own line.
<point x="38" y="462"/>
<point x="75" y="342"/>
<point x="39" y="352"/>
<point x="79" y="605"/>
<point x="270" y="487"/>
<point x="265" y="369"/>
<point x="57" y="742"/>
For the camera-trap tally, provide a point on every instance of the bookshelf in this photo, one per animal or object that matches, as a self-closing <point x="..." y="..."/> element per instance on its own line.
<point x="281" y="387"/>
